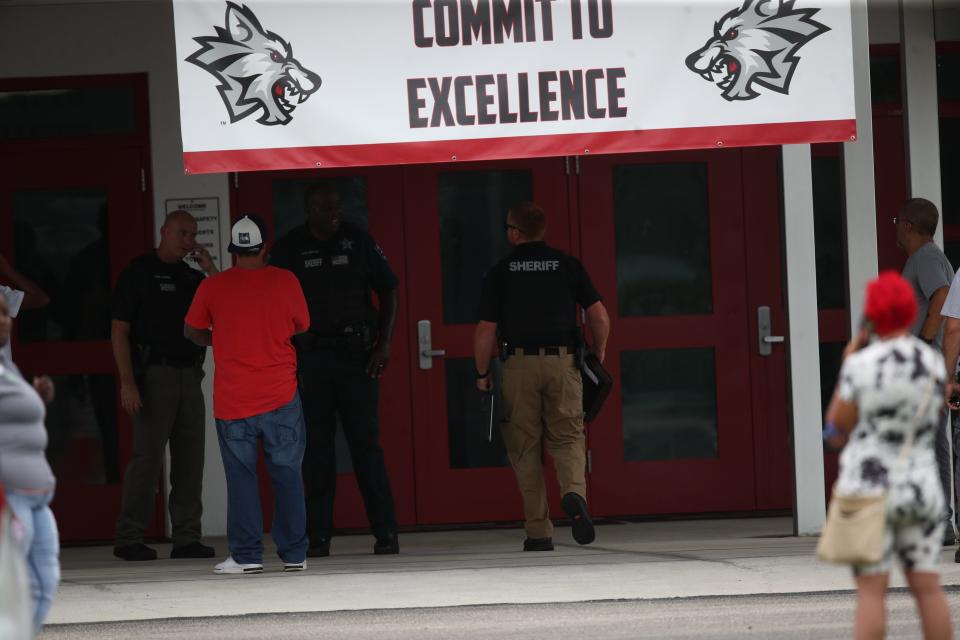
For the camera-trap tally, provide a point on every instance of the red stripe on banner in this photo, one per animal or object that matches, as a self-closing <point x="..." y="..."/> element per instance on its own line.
<point x="574" y="144"/>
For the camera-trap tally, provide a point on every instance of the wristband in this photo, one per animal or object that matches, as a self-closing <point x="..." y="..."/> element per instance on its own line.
<point x="481" y="376"/>
<point x="831" y="431"/>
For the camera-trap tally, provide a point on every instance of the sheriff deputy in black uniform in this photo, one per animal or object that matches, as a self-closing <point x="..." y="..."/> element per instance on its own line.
<point x="531" y="296"/>
<point x="160" y="374"/>
<point x="340" y="360"/>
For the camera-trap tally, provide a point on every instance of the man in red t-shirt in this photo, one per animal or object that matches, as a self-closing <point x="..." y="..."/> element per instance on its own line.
<point x="249" y="314"/>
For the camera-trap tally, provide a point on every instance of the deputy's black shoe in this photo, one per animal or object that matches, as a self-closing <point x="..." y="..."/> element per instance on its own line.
<point x="576" y="507"/>
<point x="135" y="552"/>
<point x="538" y="544"/>
<point x="949" y="538"/>
<point x="195" y="549"/>
<point x="387" y="545"/>
<point x="319" y="548"/>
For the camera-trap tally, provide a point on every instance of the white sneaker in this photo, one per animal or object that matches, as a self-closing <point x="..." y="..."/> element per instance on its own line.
<point x="295" y="566"/>
<point x="232" y="566"/>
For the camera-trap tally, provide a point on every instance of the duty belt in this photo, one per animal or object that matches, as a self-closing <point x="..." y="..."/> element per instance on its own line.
<point x="354" y="336"/>
<point x="533" y="350"/>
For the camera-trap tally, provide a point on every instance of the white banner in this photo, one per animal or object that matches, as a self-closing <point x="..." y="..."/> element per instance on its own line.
<point x="284" y="84"/>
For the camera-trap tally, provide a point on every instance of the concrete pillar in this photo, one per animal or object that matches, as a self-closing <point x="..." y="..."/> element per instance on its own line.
<point x="803" y="341"/>
<point x="918" y="74"/>
<point x="859" y="187"/>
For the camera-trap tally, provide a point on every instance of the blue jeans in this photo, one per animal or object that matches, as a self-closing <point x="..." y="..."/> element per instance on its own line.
<point x="41" y="545"/>
<point x="284" y="440"/>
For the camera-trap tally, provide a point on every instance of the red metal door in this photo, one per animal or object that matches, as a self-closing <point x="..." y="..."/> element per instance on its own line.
<point x="773" y="462"/>
<point x="663" y="237"/>
<point x="371" y="197"/>
<point x="454" y="217"/>
<point x="72" y="225"/>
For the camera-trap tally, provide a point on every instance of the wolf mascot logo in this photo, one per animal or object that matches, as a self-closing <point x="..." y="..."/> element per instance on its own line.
<point x="756" y="45"/>
<point x="256" y="69"/>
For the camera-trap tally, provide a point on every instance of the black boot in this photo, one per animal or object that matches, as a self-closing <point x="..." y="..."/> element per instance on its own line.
<point x="386" y="545"/>
<point x="194" y="549"/>
<point x="319" y="548"/>
<point x="576" y="507"/>
<point x="538" y="544"/>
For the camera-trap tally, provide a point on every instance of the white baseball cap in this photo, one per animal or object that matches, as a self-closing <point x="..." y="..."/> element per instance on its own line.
<point x="247" y="235"/>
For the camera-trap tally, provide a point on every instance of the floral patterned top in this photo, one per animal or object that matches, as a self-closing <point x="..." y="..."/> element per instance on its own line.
<point x="888" y="381"/>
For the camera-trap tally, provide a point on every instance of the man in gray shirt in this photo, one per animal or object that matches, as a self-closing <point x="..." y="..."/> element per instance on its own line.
<point x="929" y="272"/>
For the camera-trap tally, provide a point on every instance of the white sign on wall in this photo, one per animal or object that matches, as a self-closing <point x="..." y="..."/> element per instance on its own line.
<point x="206" y="211"/>
<point x="288" y="84"/>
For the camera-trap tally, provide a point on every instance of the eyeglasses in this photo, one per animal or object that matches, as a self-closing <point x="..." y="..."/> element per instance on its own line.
<point x="507" y="226"/>
<point x="897" y="219"/>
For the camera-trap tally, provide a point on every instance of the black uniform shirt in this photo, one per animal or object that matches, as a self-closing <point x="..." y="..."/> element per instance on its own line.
<point x="337" y="275"/>
<point x="153" y="296"/>
<point x="533" y="294"/>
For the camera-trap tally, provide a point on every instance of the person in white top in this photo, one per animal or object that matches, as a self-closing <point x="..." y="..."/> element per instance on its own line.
<point x="886" y="410"/>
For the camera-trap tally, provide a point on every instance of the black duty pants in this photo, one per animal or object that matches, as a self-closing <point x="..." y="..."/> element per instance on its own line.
<point x="334" y="380"/>
<point x="172" y="412"/>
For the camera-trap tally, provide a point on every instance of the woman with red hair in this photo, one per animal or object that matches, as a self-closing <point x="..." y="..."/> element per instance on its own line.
<point x="885" y="410"/>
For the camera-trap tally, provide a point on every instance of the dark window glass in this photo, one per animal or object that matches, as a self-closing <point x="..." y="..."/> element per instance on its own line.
<point x="950" y="169"/>
<point x="473" y="206"/>
<point x="662" y="239"/>
<point x="948" y="77"/>
<point x="82" y="430"/>
<point x="669" y="404"/>
<point x="831" y="357"/>
<point x="474" y="440"/>
<point x="828" y="230"/>
<point x="885" y="79"/>
<point x="56" y="113"/>
<point x="60" y="242"/>
<point x="952" y="250"/>
<point x="289" y="212"/>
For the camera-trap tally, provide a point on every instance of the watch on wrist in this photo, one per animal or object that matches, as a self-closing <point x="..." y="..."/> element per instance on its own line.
<point x="481" y="376"/>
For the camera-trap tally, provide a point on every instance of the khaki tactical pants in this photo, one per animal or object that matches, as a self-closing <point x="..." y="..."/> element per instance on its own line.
<point x="543" y="402"/>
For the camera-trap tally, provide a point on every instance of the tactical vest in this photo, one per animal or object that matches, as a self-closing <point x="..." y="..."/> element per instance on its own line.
<point x="335" y="282"/>
<point x="539" y="307"/>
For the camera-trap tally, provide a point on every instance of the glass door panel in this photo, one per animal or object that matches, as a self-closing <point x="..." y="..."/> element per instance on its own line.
<point x="663" y="238"/>
<point x="454" y="216"/>
<point x="72" y="230"/>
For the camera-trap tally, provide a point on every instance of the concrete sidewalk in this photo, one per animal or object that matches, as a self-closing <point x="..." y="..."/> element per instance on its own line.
<point x="437" y="569"/>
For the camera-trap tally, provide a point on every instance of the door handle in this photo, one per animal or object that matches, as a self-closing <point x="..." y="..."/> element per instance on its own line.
<point x="425" y="346"/>
<point x="764" y="339"/>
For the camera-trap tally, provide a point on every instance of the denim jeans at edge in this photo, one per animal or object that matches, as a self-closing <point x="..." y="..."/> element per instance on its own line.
<point x="284" y="439"/>
<point x="41" y="546"/>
